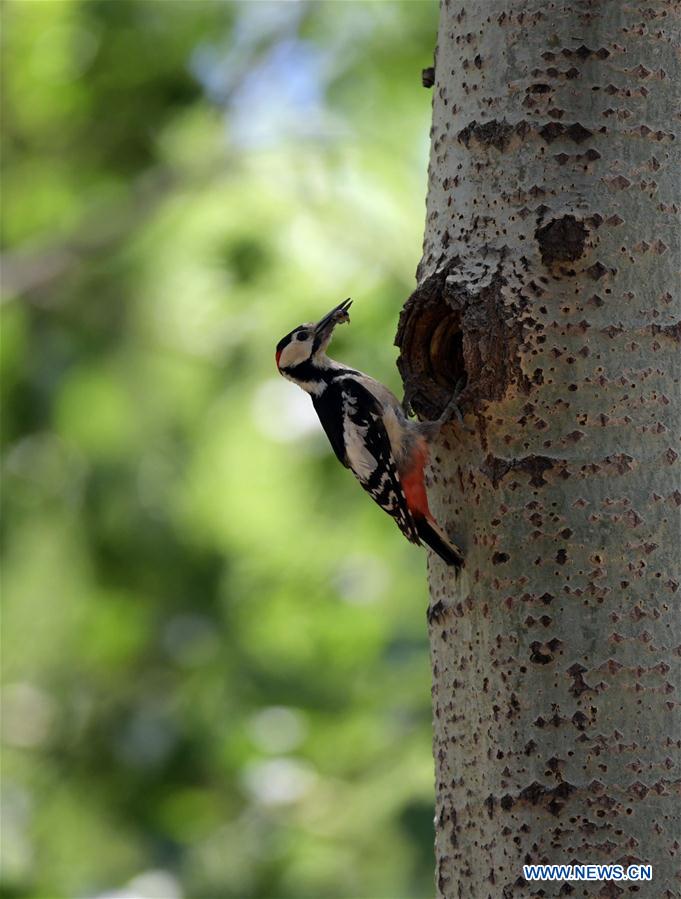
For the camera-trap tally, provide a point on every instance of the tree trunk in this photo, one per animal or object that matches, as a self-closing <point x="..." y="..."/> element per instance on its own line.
<point x="549" y="279"/>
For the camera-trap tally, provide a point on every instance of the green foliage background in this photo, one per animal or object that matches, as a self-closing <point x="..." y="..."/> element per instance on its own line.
<point x="215" y="666"/>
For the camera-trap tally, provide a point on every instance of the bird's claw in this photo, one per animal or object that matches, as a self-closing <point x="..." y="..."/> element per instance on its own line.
<point x="409" y="393"/>
<point x="406" y="405"/>
<point x="452" y="409"/>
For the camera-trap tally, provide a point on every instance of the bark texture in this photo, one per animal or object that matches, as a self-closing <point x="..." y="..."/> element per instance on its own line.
<point x="550" y="280"/>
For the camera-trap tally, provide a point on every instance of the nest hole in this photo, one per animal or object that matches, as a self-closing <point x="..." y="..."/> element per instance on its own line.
<point x="432" y="356"/>
<point x="450" y="334"/>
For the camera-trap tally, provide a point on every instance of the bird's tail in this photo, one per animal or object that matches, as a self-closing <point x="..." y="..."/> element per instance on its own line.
<point x="434" y="537"/>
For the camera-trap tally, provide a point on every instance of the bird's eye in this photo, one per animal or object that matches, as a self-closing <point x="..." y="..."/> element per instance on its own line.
<point x="302" y="335"/>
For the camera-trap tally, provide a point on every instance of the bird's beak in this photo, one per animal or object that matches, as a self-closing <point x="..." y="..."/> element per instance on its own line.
<point x="338" y="314"/>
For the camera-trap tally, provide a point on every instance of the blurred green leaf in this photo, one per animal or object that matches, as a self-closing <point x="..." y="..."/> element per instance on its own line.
<point x="215" y="665"/>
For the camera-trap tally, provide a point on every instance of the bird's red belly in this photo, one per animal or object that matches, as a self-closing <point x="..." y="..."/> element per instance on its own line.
<point x="413" y="482"/>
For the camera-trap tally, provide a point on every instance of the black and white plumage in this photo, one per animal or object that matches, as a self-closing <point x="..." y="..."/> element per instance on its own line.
<point x="368" y="430"/>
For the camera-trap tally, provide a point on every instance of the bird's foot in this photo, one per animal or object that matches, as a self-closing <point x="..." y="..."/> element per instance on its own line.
<point x="409" y="392"/>
<point x="452" y="409"/>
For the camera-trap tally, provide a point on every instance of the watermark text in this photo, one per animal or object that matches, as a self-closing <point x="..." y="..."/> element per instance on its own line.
<point x="588" y="872"/>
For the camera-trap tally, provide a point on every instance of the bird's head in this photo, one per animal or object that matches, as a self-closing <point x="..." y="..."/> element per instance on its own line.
<point x="306" y="345"/>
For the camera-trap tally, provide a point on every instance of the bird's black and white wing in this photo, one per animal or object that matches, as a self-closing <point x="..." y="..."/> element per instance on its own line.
<point x="369" y="453"/>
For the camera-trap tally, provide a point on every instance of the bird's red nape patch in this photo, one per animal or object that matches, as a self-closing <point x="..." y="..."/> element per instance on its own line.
<point x="413" y="482"/>
<point x="277" y="357"/>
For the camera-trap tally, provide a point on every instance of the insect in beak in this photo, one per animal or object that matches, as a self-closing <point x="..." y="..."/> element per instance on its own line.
<point x="337" y="316"/>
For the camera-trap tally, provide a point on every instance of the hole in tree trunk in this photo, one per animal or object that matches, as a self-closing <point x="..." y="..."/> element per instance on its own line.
<point x="453" y="329"/>
<point x="432" y="359"/>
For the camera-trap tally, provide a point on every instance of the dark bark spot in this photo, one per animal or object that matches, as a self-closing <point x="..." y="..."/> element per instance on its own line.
<point x="551" y="131"/>
<point x="579" y="685"/>
<point x="575" y="132"/>
<point x="673" y="331"/>
<point x="535" y="466"/>
<point x="435" y="612"/>
<point x="633" y="518"/>
<point x="580" y="720"/>
<point x="560" y="796"/>
<point x="539" y="654"/>
<point x="619" y="182"/>
<point x="552" y="798"/>
<point x="495" y="468"/>
<point x="500" y="558"/>
<point x="597" y="271"/>
<point x="428" y="76"/>
<point x="578" y="133"/>
<point x="495" y="133"/>
<point x="533" y="793"/>
<point x="453" y="839"/>
<point x="622" y="462"/>
<point x="561" y="240"/>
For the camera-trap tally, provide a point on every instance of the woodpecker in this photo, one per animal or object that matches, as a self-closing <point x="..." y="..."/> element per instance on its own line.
<point x="369" y="430"/>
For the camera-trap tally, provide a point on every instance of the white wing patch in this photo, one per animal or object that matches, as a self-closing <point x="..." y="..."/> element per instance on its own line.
<point x="370" y="455"/>
<point x="362" y="462"/>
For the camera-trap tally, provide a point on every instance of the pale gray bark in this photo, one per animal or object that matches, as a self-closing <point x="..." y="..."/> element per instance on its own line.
<point x="550" y="277"/>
